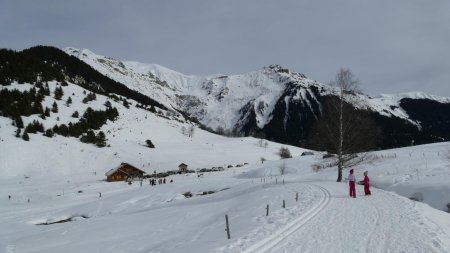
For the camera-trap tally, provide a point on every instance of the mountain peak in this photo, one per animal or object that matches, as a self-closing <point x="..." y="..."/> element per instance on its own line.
<point x="276" y="68"/>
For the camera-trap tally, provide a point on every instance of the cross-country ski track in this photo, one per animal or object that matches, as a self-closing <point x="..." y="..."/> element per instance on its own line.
<point x="382" y="222"/>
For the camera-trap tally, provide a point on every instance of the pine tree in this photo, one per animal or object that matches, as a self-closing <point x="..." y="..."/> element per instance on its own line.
<point x="75" y="114"/>
<point x="108" y="104"/>
<point x="126" y="104"/>
<point x="89" y="137"/>
<point x="19" y="122"/>
<point x="47" y="90"/>
<point x="69" y="101"/>
<point x="58" y="93"/>
<point x="54" y="107"/>
<point x="25" y="136"/>
<point x="100" y="139"/>
<point x="18" y="132"/>
<point x="49" y="133"/>
<point x="47" y="112"/>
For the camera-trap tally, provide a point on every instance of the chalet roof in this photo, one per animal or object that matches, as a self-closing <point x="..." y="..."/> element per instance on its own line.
<point x="111" y="171"/>
<point x="182" y="165"/>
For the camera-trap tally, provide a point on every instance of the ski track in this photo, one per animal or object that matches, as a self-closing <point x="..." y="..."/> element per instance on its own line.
<point x="383" y="222"/>
<point x="284" y="233"/>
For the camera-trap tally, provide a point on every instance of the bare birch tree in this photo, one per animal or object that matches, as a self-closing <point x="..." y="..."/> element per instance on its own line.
<point x="343" y="129"/>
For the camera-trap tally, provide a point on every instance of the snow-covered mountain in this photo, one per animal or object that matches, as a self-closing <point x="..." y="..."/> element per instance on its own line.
<point x="216" y="100"/>
<point x="278" y="102"/>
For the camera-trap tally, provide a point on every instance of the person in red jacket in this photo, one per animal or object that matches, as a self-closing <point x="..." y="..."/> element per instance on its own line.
<point x="366" y="184"/>
<point x="352" y="184"/>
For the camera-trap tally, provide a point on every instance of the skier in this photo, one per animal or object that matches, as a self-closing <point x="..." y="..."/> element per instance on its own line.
<point x="351" y="182"/>
<point x="366" y="184"/>
<point x="9" y="197"/>
<point x="164" y="181"/>
<point x="100" y="194"/>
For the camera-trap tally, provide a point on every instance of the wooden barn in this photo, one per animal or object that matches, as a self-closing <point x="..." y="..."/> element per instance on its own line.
<point x="123" y="172"/>
<point x="183" y="167"/>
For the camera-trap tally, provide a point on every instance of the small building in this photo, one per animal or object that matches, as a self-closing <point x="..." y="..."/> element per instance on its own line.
<point x="123" y="172"/>
<point x="183" y="168"/>
<point x="307" y="153"/>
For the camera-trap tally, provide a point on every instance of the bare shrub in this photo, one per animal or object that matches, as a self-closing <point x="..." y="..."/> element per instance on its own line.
<point x="284" y="153"/>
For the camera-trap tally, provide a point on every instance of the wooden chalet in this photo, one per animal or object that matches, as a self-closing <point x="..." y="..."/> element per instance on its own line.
<point x="123" y="172"/>
<point x="183" y="167"/>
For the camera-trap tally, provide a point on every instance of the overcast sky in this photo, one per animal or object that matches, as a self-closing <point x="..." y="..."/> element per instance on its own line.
<point x="391" y="46"/>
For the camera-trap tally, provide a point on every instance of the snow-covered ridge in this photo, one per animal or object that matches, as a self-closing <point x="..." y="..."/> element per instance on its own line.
<point x="215" y="99"/>
<point x="414" y="95"/>
<point x="218" y="100"/>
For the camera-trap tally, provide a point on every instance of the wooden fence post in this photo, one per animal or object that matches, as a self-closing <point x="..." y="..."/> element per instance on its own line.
<point x="228" y="226"/>
<point x="296" y="197"/>
<point x="284" y="204"/>
<point x="267" y="210"/>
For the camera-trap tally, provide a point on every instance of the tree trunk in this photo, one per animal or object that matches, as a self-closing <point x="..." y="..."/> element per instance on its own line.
<point x="341" y="135"/>
<point x="339" y="178"/>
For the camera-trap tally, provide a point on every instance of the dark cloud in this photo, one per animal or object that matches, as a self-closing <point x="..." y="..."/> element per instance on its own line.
<point x="392" y="46"/>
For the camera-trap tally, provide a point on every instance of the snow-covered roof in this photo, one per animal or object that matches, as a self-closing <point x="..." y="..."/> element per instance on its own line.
<point x="111" y="171"/>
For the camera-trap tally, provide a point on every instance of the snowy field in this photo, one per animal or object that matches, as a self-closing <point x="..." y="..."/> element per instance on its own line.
<point x="62" y="178"/>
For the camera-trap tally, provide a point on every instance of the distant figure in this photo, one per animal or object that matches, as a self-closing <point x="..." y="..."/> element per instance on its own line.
<point x="28" y="200"/>
<point x="164" y="181"/>
<point x="366" y="184"/>
<point x="100" y="194"/>
<point x="9" y="197"/>
<point x="171" y="180"/>
<point x="351" y="183"/>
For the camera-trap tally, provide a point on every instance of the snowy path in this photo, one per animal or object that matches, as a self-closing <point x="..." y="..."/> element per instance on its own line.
<point x="383" y="222"/>
<point x="293" y="226"/>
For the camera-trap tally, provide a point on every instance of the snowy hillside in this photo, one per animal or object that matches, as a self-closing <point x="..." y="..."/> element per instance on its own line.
<point x="281" y="104"/>
<point x="126" y="138"/>
<point x="215" y="100"/>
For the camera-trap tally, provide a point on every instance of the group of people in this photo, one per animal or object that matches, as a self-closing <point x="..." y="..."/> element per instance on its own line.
<point x="160" y="181"/>
<point x="352" y="184"/>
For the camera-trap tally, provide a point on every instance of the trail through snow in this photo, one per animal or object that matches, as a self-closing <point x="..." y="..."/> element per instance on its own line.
<point x="383" y="222"/>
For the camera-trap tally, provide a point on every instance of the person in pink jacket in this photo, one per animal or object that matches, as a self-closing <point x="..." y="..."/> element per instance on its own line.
<point x="366" y="184"/>
<point x="352" y="184"/>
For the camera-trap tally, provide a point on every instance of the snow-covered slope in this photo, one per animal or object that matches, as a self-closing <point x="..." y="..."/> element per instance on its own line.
<point x="216" y="100"/>
<point x="275" y="101"/>
<point x="126" y="137"/>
